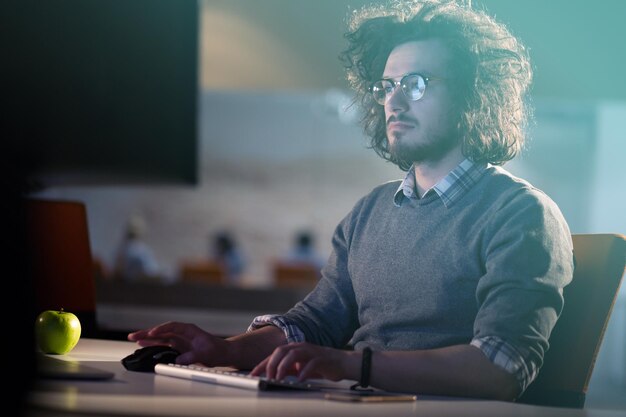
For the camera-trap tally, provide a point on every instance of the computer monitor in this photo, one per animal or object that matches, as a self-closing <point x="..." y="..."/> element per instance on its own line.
<point x="105" y="91"/>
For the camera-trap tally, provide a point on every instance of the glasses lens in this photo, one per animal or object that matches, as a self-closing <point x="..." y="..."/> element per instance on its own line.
<point x="413" y="86"/>
<point x="380" y="90"/>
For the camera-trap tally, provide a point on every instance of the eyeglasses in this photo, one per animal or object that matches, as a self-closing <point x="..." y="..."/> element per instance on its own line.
<point x="413" y="87"/>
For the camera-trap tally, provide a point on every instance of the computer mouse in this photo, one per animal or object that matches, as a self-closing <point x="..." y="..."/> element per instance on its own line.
<point x="144" y="359"/>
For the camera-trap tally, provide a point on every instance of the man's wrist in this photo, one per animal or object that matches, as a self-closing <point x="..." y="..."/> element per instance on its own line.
<point x="352" y="365"/>
<point x="233" y="352"/>
<point x="246" y="350"/>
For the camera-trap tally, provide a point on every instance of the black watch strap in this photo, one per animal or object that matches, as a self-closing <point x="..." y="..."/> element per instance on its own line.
<point x="366" y="365"/>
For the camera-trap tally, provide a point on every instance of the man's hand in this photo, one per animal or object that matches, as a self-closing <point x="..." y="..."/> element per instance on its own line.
<point x="306" y="360"/>
<point x="242" y="351"/>
<point x="194" y="344"/>
<point x="460" y="370"/>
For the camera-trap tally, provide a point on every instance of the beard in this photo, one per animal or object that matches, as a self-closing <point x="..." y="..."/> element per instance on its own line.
<point x="432" y="151"/>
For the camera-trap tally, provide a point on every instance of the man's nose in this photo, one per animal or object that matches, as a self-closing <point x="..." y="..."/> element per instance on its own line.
<point x="396" y="100"/>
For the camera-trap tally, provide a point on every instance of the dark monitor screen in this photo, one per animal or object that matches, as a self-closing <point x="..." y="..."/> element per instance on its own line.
<point x="107" y="90"/>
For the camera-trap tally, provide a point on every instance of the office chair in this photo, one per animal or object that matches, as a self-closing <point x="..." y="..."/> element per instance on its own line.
<point x="301" y="274"/>
<point x="202" y="271"/>
<point x="577" y="335"/>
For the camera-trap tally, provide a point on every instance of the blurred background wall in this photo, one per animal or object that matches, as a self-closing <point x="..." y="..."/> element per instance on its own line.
<point x="272" y="97"/>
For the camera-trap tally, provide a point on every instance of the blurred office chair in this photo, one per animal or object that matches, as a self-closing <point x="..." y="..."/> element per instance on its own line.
<point x="201" y="271"/>
<point x="577" y="336"/>
<point x="60" y="260"/>
<point x="290" y="274"/>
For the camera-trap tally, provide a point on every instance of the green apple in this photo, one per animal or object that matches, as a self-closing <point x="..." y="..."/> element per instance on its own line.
<point x="57" y="331"/>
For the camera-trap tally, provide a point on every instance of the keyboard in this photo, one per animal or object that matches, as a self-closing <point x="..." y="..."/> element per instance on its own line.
<point x="231" y="378"/>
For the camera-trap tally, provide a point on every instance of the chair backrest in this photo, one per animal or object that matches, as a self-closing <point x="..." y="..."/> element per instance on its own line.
<point x="295" y="274"/>
<point x="202" y="271"/>
<point x="576" y="338"/>
<point x="60" y="259"/>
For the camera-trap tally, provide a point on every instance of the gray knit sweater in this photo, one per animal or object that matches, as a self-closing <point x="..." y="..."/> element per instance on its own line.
<point x="423" y="275"/>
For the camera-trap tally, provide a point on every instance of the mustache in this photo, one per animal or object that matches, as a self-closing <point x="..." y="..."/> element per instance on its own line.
<point x="402" y="117"/>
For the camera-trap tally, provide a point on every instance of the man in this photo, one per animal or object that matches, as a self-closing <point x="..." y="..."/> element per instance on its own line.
<point x="450" y="281"/>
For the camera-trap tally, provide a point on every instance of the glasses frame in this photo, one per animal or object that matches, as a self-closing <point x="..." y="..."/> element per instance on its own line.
<point x="396" y="84"/>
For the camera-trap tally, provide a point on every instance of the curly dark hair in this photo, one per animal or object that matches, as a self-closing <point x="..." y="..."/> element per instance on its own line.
<point x="491" y="72"/>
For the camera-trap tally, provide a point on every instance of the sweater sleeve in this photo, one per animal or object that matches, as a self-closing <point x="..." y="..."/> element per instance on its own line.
<point x="528" y="258"/>
<point x="328" y="315"/>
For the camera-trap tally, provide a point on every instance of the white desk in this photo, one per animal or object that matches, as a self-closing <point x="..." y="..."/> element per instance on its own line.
<point x="147" y="394"/>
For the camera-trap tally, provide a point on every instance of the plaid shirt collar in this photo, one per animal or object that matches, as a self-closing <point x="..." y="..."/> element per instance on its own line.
<point x="450" y="188"/>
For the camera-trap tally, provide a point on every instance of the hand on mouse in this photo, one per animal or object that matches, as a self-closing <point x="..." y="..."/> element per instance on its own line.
<point x="243" y="351"/>
<point x="146" y="358"/>
<point x="194" y="344"/>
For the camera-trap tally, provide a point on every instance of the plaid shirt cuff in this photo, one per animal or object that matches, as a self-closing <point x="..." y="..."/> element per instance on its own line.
<point x="505" y="356"/>
<point x="292" y="331"/>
